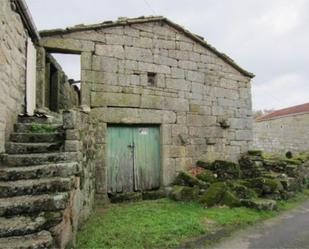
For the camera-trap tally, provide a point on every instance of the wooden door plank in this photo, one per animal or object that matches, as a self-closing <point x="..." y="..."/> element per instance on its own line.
<point x="119" y="159"/>
<point x="147" y="157"/>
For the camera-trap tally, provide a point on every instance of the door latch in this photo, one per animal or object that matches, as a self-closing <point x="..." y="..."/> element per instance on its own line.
<point x="131" y="146"/>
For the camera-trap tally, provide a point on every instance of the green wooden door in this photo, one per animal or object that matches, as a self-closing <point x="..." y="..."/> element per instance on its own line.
<point x="133" y="158"/>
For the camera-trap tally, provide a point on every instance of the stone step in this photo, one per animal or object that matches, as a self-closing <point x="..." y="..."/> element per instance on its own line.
<point x="37" y="128"/>
<point x="36" y="186"/>
<point x="39" y="158"/>
<point x="41" y="240"/>
<point x="25" y="148"/>
<point x="39" y="171"/>
<point x="28" y="204"/>
<point x="23" y="225"/>
<point x="36" y="137"/>
<point x="49" y="119"/>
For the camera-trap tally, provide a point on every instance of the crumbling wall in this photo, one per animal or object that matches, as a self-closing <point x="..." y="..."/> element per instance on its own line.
<point x="81" y="137"/>
<point x="13" y="37"/>
<point x="290" y="133"/>
<point x="202" y="103"/>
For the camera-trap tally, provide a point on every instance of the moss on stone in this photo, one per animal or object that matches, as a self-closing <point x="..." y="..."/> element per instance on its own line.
<point x="184" y="193"/>
<point x="206" y="176"/>
<point x="204" y="164"/>
<point x="268" y="186"/>
<point x="292" y="161"/>
<point x="42" y="128"/>
<point x="226" y="170"/>
<point x="185" y="179"/>
<point x="255" y="152"/>
<point x="260" y="204"/>
<point x="153" y="194"/>
<point x="125" y="197"/>
<point x="241" y="191"/>
<point x="230" y="199"/>
<point x="214" y="194"/>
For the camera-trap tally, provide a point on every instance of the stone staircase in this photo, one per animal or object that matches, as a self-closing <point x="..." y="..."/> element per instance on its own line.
<point x="36" y="177"/>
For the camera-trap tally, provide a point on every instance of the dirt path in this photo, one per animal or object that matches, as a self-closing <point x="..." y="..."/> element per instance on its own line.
<point x="286" y="231"/>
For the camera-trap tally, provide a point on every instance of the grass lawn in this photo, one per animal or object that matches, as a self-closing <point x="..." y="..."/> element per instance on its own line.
<point x="164" y="223"/>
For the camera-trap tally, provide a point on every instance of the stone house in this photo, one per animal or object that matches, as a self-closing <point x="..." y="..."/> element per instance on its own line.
<point x="154" y="99"/>
<point x="283" y="130"/>
<point x="151" y="71"/>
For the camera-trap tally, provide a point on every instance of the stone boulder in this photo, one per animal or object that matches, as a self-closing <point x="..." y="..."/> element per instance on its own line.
<point x="265" y="185"/>
<point x="184" y="193"/>
<point x="214" y="194"/>
<point x="260" y="204"/>
<point x="185" y="179"/>
<point x="207" y="176"/>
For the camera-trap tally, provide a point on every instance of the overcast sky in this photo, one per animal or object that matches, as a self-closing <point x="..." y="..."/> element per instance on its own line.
<point x="267" y="37"/>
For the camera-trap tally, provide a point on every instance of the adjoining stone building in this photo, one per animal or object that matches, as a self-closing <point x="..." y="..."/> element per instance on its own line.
<point x="154" y="99"/>
<point x="283" y="130"/>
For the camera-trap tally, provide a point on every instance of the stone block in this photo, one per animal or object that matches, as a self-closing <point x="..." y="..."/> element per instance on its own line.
<point x="177" y="73"/>
<point x="176" y="104"/>
<point x="86" y="60"/>
<point x="70" y="119"/>
<point x="166" y="44"/>
<point x="163" y="60"/>
<point x="115" y="99"/>
<point x="175" y="151"/>
<point x="178" y="129"/>
<point x="243" y="135"/>
<point x="115" y="51"/>
<point x="152" y="102"/>
<point x="116" y="39"/>
<point x="168" y="117"/>
<point x="187" y="65"/>
<point x="66" y="44"/>
<point x="72" y="134"/>
<point x="166" y="134"/>
<point x="179" y="55"/>
<point x="195" y="76"/>
<point x="139" y="54"/>
<point x="184" y="46"/>
<point x="168" y="170"/>
<point x="71" y="145"/>
<point x="178" y="84"/>
<point x="143" y="42"/>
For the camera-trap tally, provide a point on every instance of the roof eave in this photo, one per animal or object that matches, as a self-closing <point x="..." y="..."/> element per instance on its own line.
<point x="26" y="17"/>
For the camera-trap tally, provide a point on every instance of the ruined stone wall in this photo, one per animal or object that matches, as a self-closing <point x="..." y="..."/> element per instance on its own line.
<point x="13" y="37"/>
<point x="67" y="96"/>
<point x="290" y="133"/>
<point x="195" y="91"/>
<point x="81" y="137"/>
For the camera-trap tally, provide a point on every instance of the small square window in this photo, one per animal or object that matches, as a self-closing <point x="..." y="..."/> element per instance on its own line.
<point x="152" y="79"/>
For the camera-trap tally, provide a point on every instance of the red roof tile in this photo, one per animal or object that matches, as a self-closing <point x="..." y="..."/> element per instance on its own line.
<point x="284" y="112"/>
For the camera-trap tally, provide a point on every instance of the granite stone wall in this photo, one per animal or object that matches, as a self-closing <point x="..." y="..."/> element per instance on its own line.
<point x="150" y="73"/>
<point x="13" y="37"/>
<point x="81" y="137"/>
<point x="290" y="133"/>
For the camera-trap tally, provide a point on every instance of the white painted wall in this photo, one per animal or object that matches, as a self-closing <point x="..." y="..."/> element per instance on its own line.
<point x="30" y="78"/>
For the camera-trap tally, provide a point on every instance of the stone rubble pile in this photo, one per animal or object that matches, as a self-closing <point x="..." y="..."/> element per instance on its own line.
<point x="256" y="182"/>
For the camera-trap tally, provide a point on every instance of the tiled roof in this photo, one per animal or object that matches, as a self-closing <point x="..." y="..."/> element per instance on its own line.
<point x="127" y="21"/>
<point x="304" y="108"/>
